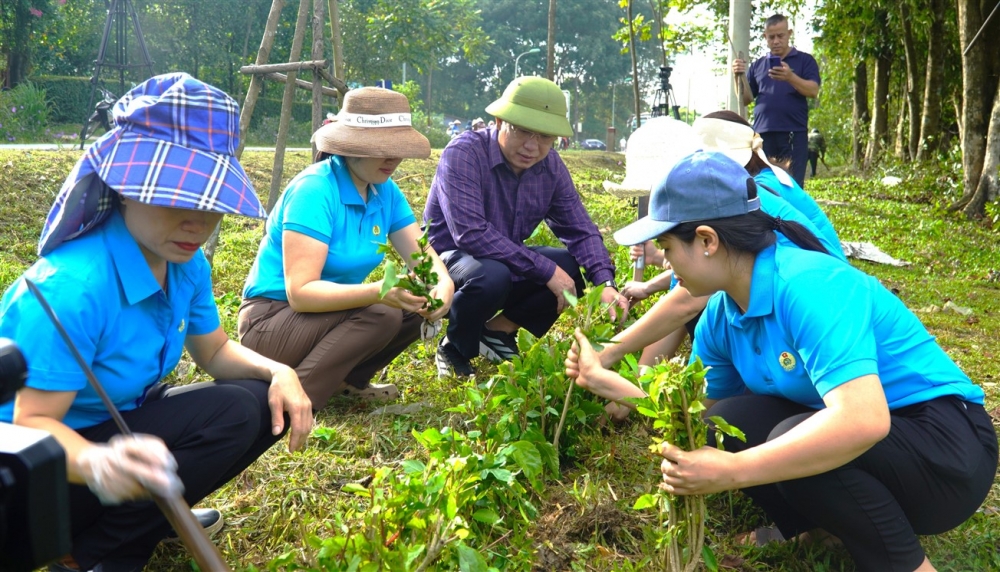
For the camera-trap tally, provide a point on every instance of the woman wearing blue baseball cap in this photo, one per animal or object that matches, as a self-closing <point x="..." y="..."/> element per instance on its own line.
<point x="121" y="264"/>
<point x="858" y="424"/>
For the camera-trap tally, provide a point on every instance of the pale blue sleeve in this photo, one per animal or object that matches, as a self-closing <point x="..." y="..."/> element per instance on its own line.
<point x="51" y="365"/>
<point x="309" y="207"/>
<point x="709" y="345"/>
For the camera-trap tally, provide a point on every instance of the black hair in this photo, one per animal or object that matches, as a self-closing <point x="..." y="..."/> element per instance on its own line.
<point x="752" y="232"/>
<point x="775" y="19"/>
<point x="321" y="156"/>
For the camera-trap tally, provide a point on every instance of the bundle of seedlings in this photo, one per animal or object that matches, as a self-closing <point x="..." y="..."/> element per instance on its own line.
<point x="675" y="401"/>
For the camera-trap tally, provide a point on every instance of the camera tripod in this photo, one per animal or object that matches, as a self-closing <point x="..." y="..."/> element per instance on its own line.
<point x="664" y="102"/>
<point x="120" y="14"/>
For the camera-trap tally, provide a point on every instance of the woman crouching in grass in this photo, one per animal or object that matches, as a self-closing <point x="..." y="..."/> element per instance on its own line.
<point x="858" y="424"/>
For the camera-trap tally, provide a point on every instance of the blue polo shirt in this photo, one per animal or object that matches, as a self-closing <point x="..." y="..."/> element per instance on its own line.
<point x="802" y="202"/>
<point x="779" y="107"/>
<point x="128" y="330"/>
<point x="778" y="207"/>
<point x="814" y="323"/>
<point x="322" y="202"/>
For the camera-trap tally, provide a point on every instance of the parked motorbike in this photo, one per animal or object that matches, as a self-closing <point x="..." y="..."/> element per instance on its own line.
<point x="101" y="117"/>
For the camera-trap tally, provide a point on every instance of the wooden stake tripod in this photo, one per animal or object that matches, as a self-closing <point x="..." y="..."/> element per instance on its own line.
<point x="120" y="14"/>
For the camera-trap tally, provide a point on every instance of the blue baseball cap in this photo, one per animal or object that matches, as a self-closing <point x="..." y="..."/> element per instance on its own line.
<point x="702" y="186"/>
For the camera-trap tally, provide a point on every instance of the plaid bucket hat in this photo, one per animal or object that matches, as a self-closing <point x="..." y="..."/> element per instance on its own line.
<point x="173" y="144"/>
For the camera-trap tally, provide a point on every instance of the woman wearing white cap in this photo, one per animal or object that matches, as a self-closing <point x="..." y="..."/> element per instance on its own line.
<point x="306" y="303"/>
<point x="857" y="423"/>
<point x="122" y="267"/>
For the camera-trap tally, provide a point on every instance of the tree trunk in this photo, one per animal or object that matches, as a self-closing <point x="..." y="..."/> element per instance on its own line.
<point x="861" y="116"/>
<point x="635" y="67"/>
<point x="655" y="7"/>
<point x="880" y="108"/>
<point x="319" y="15"/>
<point x="900" y="143"/>
<point x="979" y="87"/>
<point x="989" y="183"/>
<point x="287" y="102"/>
<point x="427" y="101"/>
<point x="912" y="84"/>
<point x="550" y="57"/>
<point x="256" y="82"/>
<point x="335" y="37"/>
<point x="930" y="120"/>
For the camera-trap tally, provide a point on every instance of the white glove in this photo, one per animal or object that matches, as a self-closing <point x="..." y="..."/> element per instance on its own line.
<point x="128" y="468"/>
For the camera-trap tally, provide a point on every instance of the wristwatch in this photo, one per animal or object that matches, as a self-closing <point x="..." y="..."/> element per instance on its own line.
<point x="609" y="284"/>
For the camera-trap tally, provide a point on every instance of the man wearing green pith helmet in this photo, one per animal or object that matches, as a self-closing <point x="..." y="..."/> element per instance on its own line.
<point x="491" y="190"/>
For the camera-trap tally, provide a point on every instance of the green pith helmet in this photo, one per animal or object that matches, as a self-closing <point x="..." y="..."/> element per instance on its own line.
<point x="534" y="103"/>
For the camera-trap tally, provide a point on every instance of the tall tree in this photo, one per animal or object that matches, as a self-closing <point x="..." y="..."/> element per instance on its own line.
<point x="930" y="120"/>
<point x="913" y="81"/>
<point x="980" y="86"/>
<point x="550" y="51"/>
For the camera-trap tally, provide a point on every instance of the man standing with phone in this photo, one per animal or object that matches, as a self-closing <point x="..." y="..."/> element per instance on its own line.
<point x="780" y="82"/>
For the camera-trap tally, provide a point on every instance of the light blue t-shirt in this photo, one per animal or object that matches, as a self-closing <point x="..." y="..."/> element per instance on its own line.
<point x="802" y="202"/>
<point x="322" y="202"/>
<point x="814" y="323"/>
<point x="128" y="330"/>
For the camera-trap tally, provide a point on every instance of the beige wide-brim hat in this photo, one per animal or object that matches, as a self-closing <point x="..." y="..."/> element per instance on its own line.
<point x="736" y="141"/>
<point x="652" y="150"/>
<point x="373" y="122"/>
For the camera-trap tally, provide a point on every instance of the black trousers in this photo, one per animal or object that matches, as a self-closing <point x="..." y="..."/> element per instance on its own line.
<point x="484" y="287"/>
<point x="214" y="430"/>
<point x="927" y="476"/>
<point x="813" y="158"/>
<point x="791" y="145"/>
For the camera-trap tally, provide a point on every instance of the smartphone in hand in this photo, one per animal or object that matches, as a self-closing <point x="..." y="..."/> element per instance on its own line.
<point x="773" y="61"/>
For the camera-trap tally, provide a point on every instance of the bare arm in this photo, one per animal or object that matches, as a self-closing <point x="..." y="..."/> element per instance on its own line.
<point x="855" y="418"/>
<point x="806" y="87"/>
<point x="670" y="312"/>
<point x="740" y="78"/>
<point x="45" y="410"/>
<point x="304" y="257"/>
<point x="223" y="358"/>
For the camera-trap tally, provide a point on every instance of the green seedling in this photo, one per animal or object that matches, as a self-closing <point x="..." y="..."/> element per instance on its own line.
<point x="420" y="280"/>
<point x="675" y="401"/>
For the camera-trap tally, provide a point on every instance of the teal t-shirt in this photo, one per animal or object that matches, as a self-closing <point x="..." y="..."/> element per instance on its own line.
<point x="802" y="202"/>
<point x="814" y="323"/>
<point x="322" y="202"/>
<point x="129" y="330"/>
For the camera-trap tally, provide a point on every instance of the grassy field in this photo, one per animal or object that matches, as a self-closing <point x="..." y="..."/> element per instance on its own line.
<point x="297" y="511"/>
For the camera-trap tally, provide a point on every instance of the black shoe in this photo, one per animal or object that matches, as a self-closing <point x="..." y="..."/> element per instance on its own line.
<point x="209" y="519"/>
<point x="497" y="346"/>
<point x="450" y="362"/>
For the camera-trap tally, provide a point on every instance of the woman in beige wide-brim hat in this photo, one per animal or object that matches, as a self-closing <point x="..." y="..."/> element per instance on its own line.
<point x="305" y="302"/>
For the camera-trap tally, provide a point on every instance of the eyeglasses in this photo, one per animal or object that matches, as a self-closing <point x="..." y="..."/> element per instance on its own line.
<point x="523" y="135"/>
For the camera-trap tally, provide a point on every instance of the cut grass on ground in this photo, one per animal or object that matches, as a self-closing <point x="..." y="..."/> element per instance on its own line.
<point x="279" y="506"/>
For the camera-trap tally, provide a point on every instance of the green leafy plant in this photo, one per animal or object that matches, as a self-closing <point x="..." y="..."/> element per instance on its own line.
<point x="674" y="400"/>
<point x="420" y="280"/>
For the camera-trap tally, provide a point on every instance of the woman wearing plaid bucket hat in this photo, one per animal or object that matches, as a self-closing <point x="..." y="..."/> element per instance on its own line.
<point x="122" y="267"/>
<point x="306" y="303"/>
<point x="859" y="427"/>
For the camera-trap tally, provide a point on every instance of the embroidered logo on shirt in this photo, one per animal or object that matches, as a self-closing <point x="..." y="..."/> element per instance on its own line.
<point x="787" y="361"/>
<point x="180" y="328"/>
<point x="376" y="230"/>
